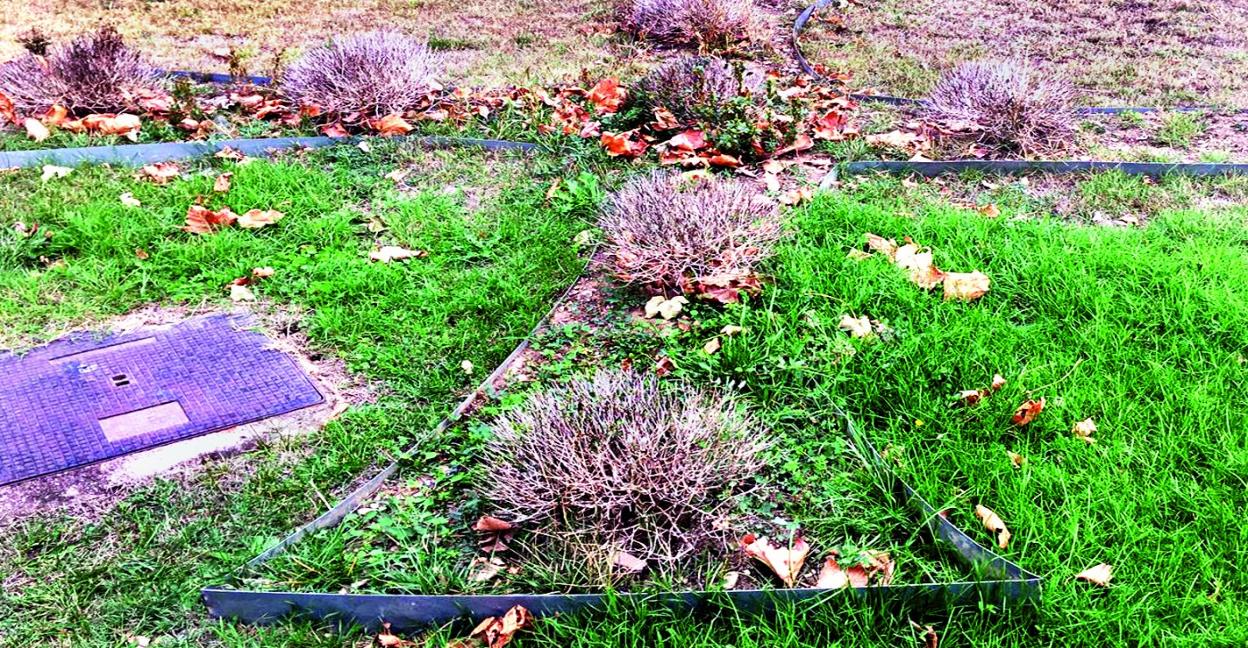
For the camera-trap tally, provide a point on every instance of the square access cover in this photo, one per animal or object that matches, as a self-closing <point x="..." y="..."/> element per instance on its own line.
<point x="86" y="398"/>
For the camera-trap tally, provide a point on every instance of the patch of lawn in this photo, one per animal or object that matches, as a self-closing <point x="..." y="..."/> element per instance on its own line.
<point x="1143" y="329"/>
<point x="496" y="255"/>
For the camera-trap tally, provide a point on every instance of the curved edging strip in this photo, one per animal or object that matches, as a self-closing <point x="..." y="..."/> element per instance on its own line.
<point x="409" y="612"/>
<point x="804" y="17"/>
<point x="140" y="154"/>
<point x="215" y="77"/>
<point x="935" y="168"/>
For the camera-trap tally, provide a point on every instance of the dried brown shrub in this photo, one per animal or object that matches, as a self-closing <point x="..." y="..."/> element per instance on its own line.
<point x="374" y="74"/>
<point x="662" y="229"/>
<point x="705" y="24"/>
<point x="694" y="87"/>
<point x="93" y="73"/>
<point x="617" y="461"/>
<point x="1017" y="106"/>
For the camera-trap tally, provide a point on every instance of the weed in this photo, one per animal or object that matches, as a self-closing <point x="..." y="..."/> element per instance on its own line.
<point x="1178" y="128"/>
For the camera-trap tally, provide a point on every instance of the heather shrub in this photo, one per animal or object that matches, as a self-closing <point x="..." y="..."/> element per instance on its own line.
<point x="1016" y="106"/>
<point x="93" y="73"/>
<point x="374" y="74"/>
<point x="694" y="87"/>
<point x="705" y="24"/>
<point x="661" y="229"/>
<point x="617" y="461"/>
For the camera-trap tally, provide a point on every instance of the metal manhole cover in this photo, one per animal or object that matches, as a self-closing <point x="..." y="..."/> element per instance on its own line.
<point x="84" y="398"/>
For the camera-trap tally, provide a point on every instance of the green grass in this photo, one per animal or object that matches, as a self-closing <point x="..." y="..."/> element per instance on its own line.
<point x="1143" y="329"/>
<point x="1179" y="128"/>
<point x="497" y="255"/>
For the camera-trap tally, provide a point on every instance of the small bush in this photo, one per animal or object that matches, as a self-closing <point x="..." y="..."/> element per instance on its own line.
<point x="693" y="87"/>
<point x="374" y="74"/>
<point x="617" y="461"/>
<point x="706" y="24"/>
<point x="93" y="73"/>
<point x="661" y="229"/>
<point x="1018" y="107"/>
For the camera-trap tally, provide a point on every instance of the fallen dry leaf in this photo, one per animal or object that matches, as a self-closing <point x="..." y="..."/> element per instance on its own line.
<point x="662" y="306"/>
<point x="140" y="254"/>
<point x="161" y="172"/>
<point x="124" y="124"/>
<point x="391" y="125"/>
<point x="35" y="129"/>
<point x="7" y="110"/>
<point x="1026" y="413"/>
<point x="930" y="638"/>
<point x="731" y="330"/>
<point x="230" y="153"/>
<point x="387" y="640"/>
<point x="496" y="632"/>
<point x="256" y="218"/>
<point x="1084" y="430"/>
<point x="786" y="562"/>
<point x="993" y="523"/>
<point x="689" y="140"/>
<point x="491" y="524"/>
<point x="831" y="576"/>
<point x="998" y="381"/>
<point x="335" y="130"/>
<point x="1017" y="459"/>
<point x="887" y="247"/>
<point x="1097" y="575"/>
<point x="858" y="327"/>
<point x="607" y="95"/>
<point x="240" y="293"/>
<point x="711" y="346"/>
<point x="966" y="286"/>
<point x="388" y="253"/>
<point x="969" y="397"/>
<point x="990" y="210"/>
<point x="629" y="563"/>
<point x="222" y="183"/>
<point x="201" y="220"/>
<point x="52" y="171"/>
<point x="262" y="273"/>
<point x="129" y="200"/>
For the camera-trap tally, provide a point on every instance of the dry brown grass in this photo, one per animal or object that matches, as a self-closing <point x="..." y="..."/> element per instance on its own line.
<point x="1116" y="51"/>
<point x="484" y="40"/>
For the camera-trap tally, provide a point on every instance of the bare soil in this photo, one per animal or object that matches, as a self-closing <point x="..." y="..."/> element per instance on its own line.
<point x="1134" y="52"/>
<point x="484" y="40"/>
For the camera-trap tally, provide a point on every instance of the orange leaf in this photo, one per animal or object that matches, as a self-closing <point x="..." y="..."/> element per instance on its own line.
<point x="201" y="220"/>
<point x="689" y="140"/>
<point x="335" y="129"/>
<point x="622" y="144"/>
<point x="831" y="576"/>
<point x="966" y="286"/>
<point x="6" y="108"/>
<point x="786" y="562"/>
<point x="161" y="172"/>
<point x="607" y="95"/>
<point x="801" y="143"/>
<point x="724" y="160"/>
<point x="392" y="124"/>
<point x="1026" y="413"/>
<point x="55" y="116"/>
<point x="664" y="120"/>
<point x="490" y="524"/>
<point x="496" y="632"/>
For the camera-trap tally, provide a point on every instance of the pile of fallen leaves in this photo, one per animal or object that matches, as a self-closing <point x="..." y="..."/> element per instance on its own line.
<point x="790" y="118"/>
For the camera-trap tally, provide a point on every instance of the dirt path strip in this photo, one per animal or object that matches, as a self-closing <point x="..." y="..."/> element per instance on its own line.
<point x="140" y="154"/>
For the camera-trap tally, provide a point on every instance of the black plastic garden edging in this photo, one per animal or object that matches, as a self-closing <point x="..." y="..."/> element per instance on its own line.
<point x="932" y="168"/>
<point x="139" y="154"/>
<point x="804" y="17"/>
<point x="406" y="612"/>
<point x="215" y="77"/>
